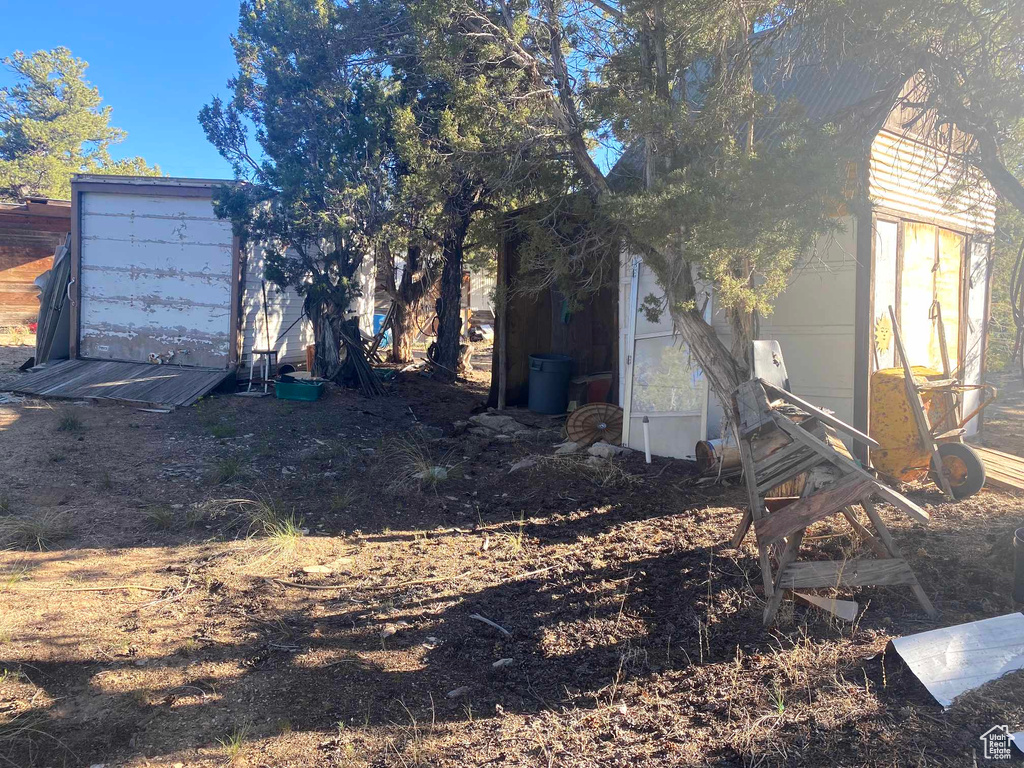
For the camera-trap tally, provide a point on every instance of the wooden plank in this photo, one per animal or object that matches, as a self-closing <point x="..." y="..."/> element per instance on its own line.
<point x="841" y="609"/>
<point x="887" y="493"/>
<point x="821" y="415"/>
<point x="788" y="473"/>
<point x="778" y="458"/>
<point x="810" y="509"/>
<point x="846" y="573"/>
<point x="786" y="559"/>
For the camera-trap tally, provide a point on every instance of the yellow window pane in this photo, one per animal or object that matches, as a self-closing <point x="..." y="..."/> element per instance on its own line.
<point x="947" y="293"/>
<point x="917" y="289"/>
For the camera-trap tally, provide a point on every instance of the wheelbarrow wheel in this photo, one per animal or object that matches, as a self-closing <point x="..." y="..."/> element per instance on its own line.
<point x="963" y="468"/>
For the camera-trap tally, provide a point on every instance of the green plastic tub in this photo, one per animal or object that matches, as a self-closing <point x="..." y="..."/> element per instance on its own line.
<point x="299" y="390"/>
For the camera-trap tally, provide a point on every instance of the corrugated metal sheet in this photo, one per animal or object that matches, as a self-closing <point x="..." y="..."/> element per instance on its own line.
<point x="139" y="383"/>
<point x="914" y="179"/>
<point x="156" y="279"/>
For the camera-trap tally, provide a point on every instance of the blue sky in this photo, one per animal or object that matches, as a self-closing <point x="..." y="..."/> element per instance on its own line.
<point x="156" y="64"/>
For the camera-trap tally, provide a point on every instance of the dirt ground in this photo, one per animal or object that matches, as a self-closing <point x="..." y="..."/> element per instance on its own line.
<point x="1005" y="417"/>
<point x="155" y="609"/>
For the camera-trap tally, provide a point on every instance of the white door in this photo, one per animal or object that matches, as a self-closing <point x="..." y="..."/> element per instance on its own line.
<point x="662" y="382"/>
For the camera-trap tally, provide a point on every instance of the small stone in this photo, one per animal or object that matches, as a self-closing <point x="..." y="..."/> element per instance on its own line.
<point x="502" y="663"/>
<point x="566" y="448"/>
<point x="606" y="450"/>
<point x="523" y="464"/>
<point x="462" y="690"/>
<point x="431" y="643"/>
<point x="435" y="474"/>
<point x="318" y="569"/>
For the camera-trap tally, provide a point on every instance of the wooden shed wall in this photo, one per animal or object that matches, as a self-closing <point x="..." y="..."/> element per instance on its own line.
<point x="29" y="235"/>
<point x="534" y="325"/>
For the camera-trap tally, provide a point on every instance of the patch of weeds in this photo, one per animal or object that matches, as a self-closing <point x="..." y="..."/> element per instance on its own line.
<point x="222" y="431"/>
<point x="342" y="500"/>
<point x="5" y="504"/>
<point x="161" y="518"/>
<point x="195" y="514"/>
<point x="25" y="731"/>
<point x="38" y="531"/>
<point x="408" y="464"/>
<point x="70" y="422"/>
<point x="281" y="531"/>
<point x="55" y="457"/>
<point x="6" y="630"/>
<point x="225" y="470"/>
<point x="12" y="576"/>
<point x="514" y="541"/>
<point x="234" y="742"/>
<point x="106" y="483"/>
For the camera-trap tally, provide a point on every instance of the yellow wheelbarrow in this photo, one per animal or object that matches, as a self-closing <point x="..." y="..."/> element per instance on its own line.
<point x="914" y="418"/>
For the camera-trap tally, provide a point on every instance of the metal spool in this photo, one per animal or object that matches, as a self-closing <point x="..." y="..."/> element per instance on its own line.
<point x="595" y="422"/>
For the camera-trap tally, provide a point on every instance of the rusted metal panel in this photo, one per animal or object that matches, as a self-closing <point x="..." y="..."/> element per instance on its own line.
<point x="915" y="180"/>
<point x="156" y="278"/>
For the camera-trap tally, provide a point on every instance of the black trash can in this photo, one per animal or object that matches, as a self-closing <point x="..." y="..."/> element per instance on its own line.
<point x="549" y="383"/>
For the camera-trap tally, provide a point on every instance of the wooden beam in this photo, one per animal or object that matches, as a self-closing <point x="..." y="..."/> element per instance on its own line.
<point x="809" y="509"/>
<point x="822" y="416"/>
<point x="819" y="574"/>
<point x="887" y="493"/>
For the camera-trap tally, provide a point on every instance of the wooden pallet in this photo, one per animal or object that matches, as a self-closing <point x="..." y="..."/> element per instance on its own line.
<point x="1002" y="470"/>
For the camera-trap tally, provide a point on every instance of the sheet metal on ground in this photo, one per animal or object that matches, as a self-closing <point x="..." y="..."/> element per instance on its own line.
<point x="140" y="383"/>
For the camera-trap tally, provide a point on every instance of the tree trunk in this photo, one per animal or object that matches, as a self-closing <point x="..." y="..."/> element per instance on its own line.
<point x="417" y="280"/>
<point x="449" y="336"/>
<point x="403" y="332"/>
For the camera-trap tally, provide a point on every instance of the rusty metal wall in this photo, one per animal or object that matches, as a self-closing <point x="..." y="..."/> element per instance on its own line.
<point x="156" y="280"/>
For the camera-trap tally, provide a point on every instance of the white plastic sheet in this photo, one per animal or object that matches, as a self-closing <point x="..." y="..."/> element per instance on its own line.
<point x="953" y="660"/>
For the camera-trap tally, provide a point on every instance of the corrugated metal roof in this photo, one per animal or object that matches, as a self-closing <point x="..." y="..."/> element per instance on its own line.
<point x="144" y="181"/>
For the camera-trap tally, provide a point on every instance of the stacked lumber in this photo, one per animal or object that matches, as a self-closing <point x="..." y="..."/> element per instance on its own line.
<point x="1002" y="470"/>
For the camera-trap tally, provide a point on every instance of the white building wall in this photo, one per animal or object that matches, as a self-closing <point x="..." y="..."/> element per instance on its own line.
<point x="156" y="279"/>
<point x="288" y="330"/>
<point x="813" y="321"/>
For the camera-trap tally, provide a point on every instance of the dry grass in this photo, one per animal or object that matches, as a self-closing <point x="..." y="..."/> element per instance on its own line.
<point x="225" y="470"/>
<point x="70" y="422"/>
<point x="161" y="518"/>
<point x="409" y="464"/>
<point x="39" y="531"/>
<point x="234" y="742"/>
<point x="603" y="473"/>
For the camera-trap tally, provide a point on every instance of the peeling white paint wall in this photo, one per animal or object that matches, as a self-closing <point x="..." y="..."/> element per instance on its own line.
<point x="156" y="280"/>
